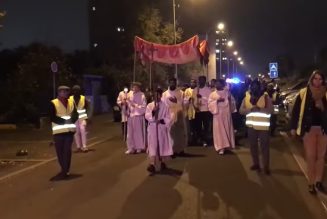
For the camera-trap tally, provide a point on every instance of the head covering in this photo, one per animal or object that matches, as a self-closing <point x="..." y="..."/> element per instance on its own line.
<point x="63" y="87"/>
<point x="136" y="83"/>
<point x="76" y="87"/>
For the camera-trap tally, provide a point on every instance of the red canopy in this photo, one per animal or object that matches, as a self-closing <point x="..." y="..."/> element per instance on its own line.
<point x="185" y="52"/>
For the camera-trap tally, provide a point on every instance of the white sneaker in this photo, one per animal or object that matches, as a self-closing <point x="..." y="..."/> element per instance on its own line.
<point x="138" y="151"/>
<point x="129" y="152"/>
<point x="221" y="152"/>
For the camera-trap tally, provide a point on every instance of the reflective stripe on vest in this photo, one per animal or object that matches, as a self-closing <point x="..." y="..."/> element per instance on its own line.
<point x="80" y="107"/>
<point x="258" y="121"/>
<point x="64" y="113"/>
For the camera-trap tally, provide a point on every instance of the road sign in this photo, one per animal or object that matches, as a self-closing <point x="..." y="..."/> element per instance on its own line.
<point x="273" y="70"/>
<point x="54" y="67"/>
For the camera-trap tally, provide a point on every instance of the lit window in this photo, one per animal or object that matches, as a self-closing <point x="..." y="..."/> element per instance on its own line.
<point x="93" y="8"/>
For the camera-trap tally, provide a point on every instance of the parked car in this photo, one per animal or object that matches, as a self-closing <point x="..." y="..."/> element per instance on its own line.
<point x="289" y="103"/>
<point x="292" y="89"/>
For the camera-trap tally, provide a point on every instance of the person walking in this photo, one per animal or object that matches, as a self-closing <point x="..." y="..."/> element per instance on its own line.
<point x="257" y="106"/>
<point x="190" y="112"/>
<point x="309" y="120"/>
<point x="158" y="116"/>
<point x="221" y="108"/>
<point x="202" y="115"/>
<point x="63" y="115"/>
<point x="122" y="103"/>
<point x="135" y="122"/>
<point x="82" y="105"/>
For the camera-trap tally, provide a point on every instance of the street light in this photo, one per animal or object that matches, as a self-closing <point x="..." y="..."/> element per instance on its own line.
<point x="230" y="43"/>
<point x="235" y="53"/>
<point x="239" y="58"/>
<point x="241" y="63"/>
<point x="221" y="26"/>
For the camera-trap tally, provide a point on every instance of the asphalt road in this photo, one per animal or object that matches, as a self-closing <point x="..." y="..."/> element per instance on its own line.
<point x="109" y="184"/>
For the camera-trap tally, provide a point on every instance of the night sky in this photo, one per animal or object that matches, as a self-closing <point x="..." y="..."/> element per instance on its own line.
<point x="54" y="22"/>
<point x="261" y="29"/>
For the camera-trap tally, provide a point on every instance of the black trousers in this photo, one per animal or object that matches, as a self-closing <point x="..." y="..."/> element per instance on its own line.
<point x="63" y="143"/>
<point x="124" y="130"/>
<point x="203" y="121"/>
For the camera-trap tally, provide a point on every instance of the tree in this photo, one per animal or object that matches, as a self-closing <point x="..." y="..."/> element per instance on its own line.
<point x="30" y="86"/>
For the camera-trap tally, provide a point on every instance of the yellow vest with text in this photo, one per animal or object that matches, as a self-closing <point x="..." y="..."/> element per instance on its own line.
<point x="257" y="120"/>
<point x="80" y="107"/>
<point x="64" y="113"/>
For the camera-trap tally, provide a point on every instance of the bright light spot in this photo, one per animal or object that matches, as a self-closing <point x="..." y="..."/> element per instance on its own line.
<point x="95" y="45"/>
<point x="250" y="76"/>
<point x="233" y="80"/>
<point x="120" y="29"/>
<point x="239" y="59"/>
<point x="235" y="53"/>
<point x="230" y="43"/>
<point x="224" y="76"/>
<point x="93" y="8"/>
<point x="259" y="75"/>
<point x="217" y="51"/>
<point x="242" y="63"/>
<point x="221" y="26"/>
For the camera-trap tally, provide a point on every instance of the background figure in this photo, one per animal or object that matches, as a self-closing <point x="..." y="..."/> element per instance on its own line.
<point x="220" y="107"/>
<point x="309" y="119"/>
<point x="190" y="112"/>
<point x="158" y="116"/>
<point x="173" y="98"/>
<point x="273" y="94"/>
<point x="135" y="123"/>
<point x="122" y="103"/>
<point x="258" y="107"/>
<point x="83" y="108"/>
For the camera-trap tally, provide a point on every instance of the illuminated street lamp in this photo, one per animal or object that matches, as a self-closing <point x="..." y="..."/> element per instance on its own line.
<point x="230" y="43"/>
<point x="241" y="63"/>
<point x="221" y="26"/>
<point x="235" y="53"/>
<point x="239" y="58"/>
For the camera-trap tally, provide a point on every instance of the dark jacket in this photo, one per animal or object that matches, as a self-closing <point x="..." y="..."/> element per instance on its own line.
<point x="307" y="114"/>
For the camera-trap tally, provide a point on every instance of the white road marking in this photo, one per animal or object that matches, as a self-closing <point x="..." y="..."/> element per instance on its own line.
<point x="44" y="162"/>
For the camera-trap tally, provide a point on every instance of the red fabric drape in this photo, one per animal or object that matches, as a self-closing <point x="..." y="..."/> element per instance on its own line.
<point x="182" y="53"/>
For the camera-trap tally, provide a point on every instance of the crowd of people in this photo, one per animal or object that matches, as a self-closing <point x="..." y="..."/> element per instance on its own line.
<point x="198" y="114"/>
<point x="164" y="122"/>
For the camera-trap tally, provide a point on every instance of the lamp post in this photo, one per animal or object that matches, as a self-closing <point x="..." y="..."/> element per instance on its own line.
<point x="221" y="28"/>
<point x="229" y="44"/>
<point x="175" y="34"/>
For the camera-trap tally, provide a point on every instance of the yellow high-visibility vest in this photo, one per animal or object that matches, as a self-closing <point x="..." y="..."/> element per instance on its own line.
<point x="303" y="95"/>
<point x="257" y="120"/>
<point x="80" y="107"/>
<point x="64" y="113"/>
